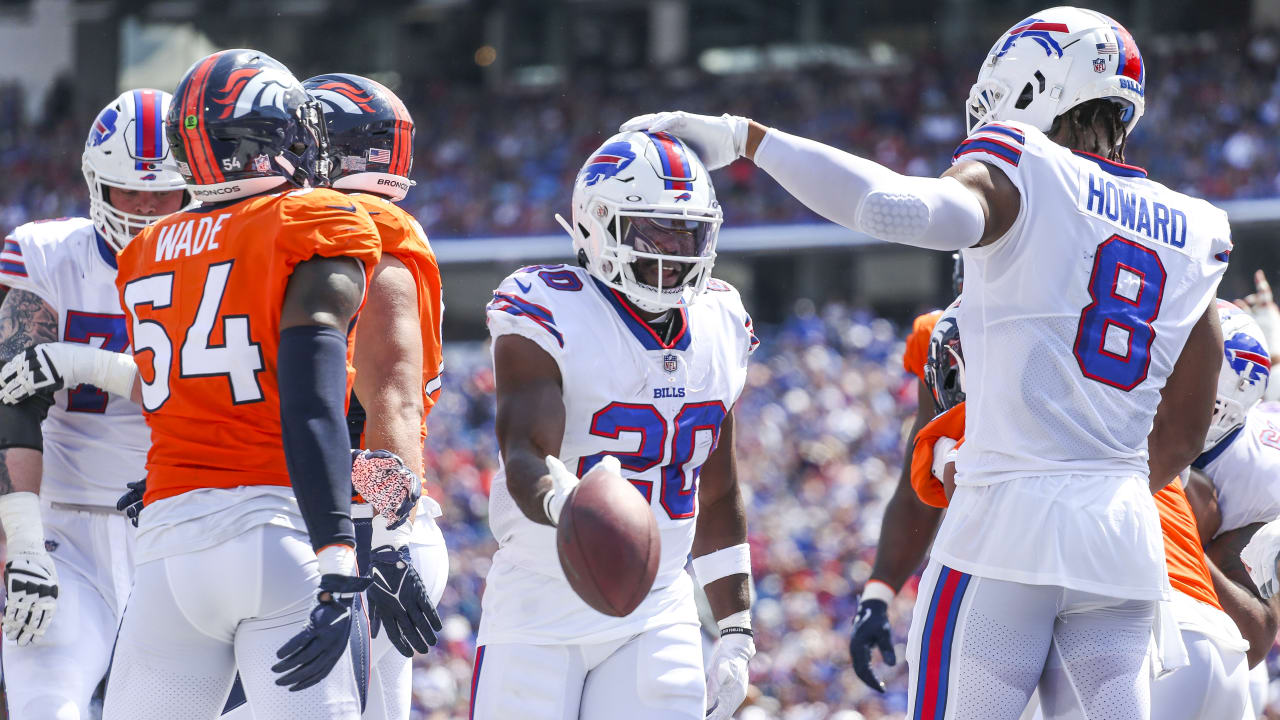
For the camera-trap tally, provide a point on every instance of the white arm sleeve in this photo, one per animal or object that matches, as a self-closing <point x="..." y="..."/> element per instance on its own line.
<point x="933" y="213"/>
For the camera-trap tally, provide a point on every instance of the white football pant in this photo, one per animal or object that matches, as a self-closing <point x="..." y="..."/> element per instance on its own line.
<point x="194" y="618"/>
<point x="54" y="677"/>
<point x="978" y="648"/>
<point x="656" y="675"/>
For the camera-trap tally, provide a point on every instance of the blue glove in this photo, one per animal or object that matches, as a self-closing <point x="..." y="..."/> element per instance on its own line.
<point x="130" y="503"/>
<point x="309" y="656"/>
<point x="871" y="629"/>
<point x="399" y="599"/>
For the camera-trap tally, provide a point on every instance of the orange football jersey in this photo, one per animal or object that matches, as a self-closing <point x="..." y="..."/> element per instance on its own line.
<point x="203" y="290"/>
<point x="917" y="352"/>
<point x="1188" y="571"/>
<point x="404" y="239"/>
<point x="929" y="488"/>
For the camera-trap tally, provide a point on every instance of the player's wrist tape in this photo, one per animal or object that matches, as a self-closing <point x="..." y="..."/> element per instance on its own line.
<point x="737" y="623"/>
<point x="397" y="538"/>
<point x="111" y="371"/>
<point x="20" y="517"/>
<point x="941" y="450"/>
<point x="337" y="560"/>
<point x="723" y="563"/>
<point x="878" y="590"/>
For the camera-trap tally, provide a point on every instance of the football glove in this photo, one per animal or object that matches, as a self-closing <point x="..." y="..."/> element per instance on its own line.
<point x="49" y="367"/>
<point x="871" y="630"/>
<point x="386" y="483"/>
<point x="130" y="503"/>
<point x="1260" y="556"/>
<point x="564" y="482"/>
<point x="398" y="599"/>
<point x="307" y="657"/>
<point x="727" y="678"/>
<point x="718" y="141"/>
<point x="29" y="575"/>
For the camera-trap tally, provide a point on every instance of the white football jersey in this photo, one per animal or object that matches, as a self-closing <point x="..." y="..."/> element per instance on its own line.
<point x="1245" y="469"/>
<point x="656" y="406"/>
<point x="1073" y="321"/>
<point x="93" y="443"/>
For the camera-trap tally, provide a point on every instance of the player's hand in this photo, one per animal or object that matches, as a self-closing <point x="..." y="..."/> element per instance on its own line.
<point x="386" y="483"/>
<point x="130" y="503"/>
<point x="1260" y="555"/>
<point x="1262" y="306"/>
<point x="309" y="656"/>
<point x="398" y="599"/>
<point x="31" y="372"/>
<point x="871" y="630"/>
<point x="564" y="482"/>
<point x="718" y="141"/>
<point x="32" y="585"/>
<point x="727" y="678"/>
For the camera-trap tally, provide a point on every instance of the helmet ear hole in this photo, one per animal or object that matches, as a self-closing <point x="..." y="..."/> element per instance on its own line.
<point x="1028" y="94"/>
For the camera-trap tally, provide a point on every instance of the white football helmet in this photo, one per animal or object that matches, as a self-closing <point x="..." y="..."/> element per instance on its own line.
<point x="1053" y="61"/>
<point x="1245" y="370"/>
<point x="127" y="148"/>
<point x="646" y="197"/>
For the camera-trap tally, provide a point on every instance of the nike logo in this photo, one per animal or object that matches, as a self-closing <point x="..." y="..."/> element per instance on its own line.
<point x="523" y="287"/>
<point x="348" y="207"/>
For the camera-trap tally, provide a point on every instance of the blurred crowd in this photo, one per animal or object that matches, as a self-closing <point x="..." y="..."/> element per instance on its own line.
<point x="501" y="162"/>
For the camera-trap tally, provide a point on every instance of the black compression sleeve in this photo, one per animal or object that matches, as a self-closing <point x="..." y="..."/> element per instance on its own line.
<point x="311" y="369"/>
<point x="20" y="424"/>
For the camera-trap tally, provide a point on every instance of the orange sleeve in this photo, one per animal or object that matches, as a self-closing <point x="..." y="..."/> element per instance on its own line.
<point x="328" y="224"/>
<point x="1184" y="558"/>
<point x="917" y="351"/>
<point x="929" y="488"/>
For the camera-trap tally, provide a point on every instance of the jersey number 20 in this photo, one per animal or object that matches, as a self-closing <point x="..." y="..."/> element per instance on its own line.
<point x="238" y="358"/>
<point x="1113" y="341"/>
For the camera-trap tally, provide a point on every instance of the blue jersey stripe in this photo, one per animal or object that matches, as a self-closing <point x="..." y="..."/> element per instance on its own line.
<point x="1009" y="154"/>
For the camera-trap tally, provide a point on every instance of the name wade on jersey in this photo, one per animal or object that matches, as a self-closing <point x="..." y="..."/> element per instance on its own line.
<point x="1125" y="207"/>
<point x="189" y="237"/>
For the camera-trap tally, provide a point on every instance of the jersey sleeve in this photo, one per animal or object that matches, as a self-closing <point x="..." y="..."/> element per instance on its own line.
<point x="744" y="330"/>
<point x="24" y="264"/>
<point x="328" y="224"/>
<point x="928" y="487"/>
<point x="521" y="305"/>
<point x="916" y="353"/>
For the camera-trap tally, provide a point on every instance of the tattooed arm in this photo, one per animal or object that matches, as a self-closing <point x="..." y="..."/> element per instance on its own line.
<point x="25" y="320"/>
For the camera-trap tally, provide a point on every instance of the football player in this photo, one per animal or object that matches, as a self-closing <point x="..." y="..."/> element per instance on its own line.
<point x="241" y="314"/>
<point x="65" y="456"/>
<point x="1088" y="308"/>
<point x="908" y="524"/>
<point x="638" y="355"/>
<point x="1213" y="604"/>
<point x="398" y="365"/>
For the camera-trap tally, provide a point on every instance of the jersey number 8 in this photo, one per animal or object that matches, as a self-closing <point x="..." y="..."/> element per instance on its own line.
<point x="238" y="358"/>
<point x="1113" y="341"/>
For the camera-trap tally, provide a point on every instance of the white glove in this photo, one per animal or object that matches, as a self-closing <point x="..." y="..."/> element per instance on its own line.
<point x="718" y="141"/>
<point x="1259" y="557"/>
<point x="943" y="452"/>
<point x="29" y="576"/>
<point x="563" y="483"/>
<point x="49" y="367"/>
<point x="727" y="678"/>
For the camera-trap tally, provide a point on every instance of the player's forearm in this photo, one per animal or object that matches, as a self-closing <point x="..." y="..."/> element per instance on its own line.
<point x="906" y="533"/>
<point x="1256" y="618"/>
<point x="528" y="483"/>
<point x="720" y="541"/>
<point x="397" y="423"/>
<point x="20" y="470"/>
<point x="1186" y="403"/>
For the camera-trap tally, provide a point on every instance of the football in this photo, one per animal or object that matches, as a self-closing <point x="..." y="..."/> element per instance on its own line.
<point x="608" y="543"/>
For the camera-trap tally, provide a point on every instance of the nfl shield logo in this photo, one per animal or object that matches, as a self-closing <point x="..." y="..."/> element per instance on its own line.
<point x="669" y="362"/>
<point x="1099" y="65"/>
<point x="262" y="164"/>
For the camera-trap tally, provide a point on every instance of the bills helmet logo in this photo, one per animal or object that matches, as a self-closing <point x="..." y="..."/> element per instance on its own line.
<point x="342" y="97"/>
<point x="104" y="127"/>
<point x="1248" y="358"/>
<point x="607" y="163"/>
<point x="1037" y="30"/>
<point x="249" y="88"/>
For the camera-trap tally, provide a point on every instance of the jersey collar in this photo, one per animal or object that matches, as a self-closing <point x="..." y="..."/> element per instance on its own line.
<point x="108" y="255"/>
<point x="1112" y="166"/>
<point x="641" y="329"/>
<point x="1212" y="454"/>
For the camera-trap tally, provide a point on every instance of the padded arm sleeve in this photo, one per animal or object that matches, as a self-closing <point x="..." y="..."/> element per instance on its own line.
<point x="933" y="213"/>
<point x="312" y="372"/>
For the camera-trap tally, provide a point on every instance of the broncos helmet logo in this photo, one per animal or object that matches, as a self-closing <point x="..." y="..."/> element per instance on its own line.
<point x="1037" y="30"/>
<point x="343" y="97"/>
<point x="607" y="163"/>
<point x="250" y="88"/>
<point x="1247" y="357"/>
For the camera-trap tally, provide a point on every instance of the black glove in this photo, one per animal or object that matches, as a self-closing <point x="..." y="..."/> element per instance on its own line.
<point x="871" y="629"/>
<point x="309" y="656"/>
<point x="399" y="599"/>
<point x="130" y="503"/>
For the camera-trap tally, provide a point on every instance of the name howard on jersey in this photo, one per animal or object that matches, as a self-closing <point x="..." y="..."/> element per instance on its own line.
<point x="1127" y="208"/>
